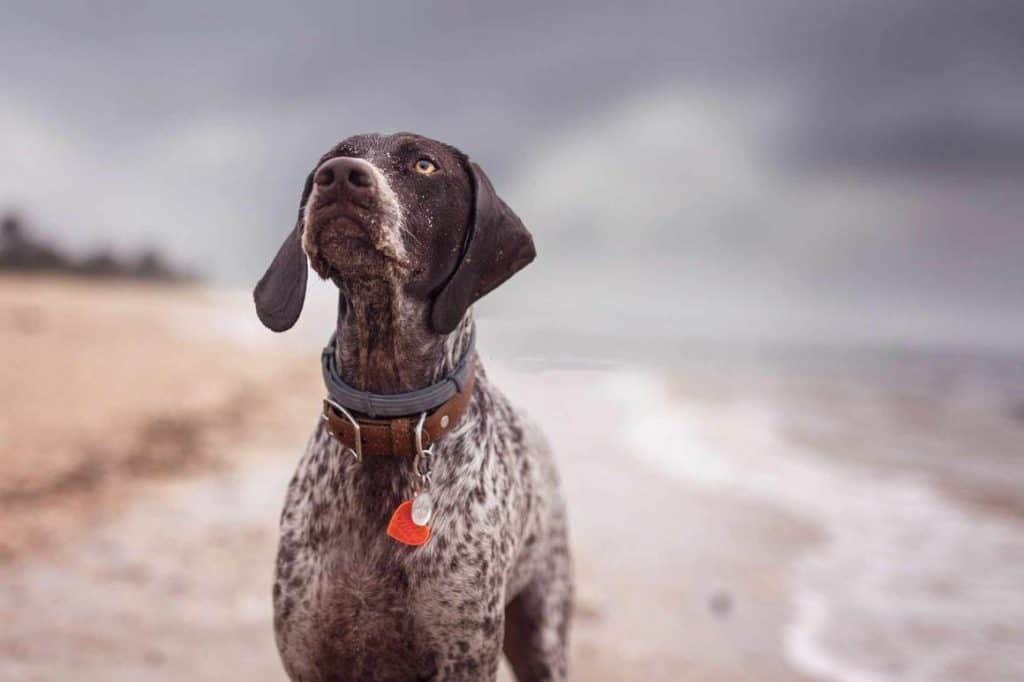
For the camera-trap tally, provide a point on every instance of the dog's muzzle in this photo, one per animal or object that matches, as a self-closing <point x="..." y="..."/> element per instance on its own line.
<point x="352" y="198"/>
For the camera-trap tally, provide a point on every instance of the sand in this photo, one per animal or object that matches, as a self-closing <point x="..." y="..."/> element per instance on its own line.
<point x="147" y="435"/>
<point x="109" y="385"/>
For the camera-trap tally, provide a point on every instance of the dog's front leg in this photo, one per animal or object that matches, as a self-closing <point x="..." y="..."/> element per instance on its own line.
<point x="537" y="622"/>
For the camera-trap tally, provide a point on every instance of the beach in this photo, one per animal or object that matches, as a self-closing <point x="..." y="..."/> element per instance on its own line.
<point x="838" y="521"/>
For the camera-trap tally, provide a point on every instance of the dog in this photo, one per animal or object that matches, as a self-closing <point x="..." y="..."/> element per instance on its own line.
<point x="412" y="233"/>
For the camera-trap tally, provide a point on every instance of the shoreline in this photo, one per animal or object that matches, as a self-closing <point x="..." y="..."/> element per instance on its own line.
<point x="912" y="580"/>
<point x="722" y="522"/>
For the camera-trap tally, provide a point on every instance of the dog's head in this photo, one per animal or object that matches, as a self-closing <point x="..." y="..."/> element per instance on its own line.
<point x="401" y="208"/>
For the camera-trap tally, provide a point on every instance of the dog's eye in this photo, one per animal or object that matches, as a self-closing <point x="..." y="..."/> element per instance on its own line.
<point x="425" y="167"/>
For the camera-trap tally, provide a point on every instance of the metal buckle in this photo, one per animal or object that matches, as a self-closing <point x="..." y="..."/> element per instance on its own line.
<point x="358" y="451"/>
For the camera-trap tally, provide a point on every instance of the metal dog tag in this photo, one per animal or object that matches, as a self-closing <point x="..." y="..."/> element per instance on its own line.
<point x="422" y="508"/>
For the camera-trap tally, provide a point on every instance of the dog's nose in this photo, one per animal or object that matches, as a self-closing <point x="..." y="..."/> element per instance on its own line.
<point x="353" y="175"/>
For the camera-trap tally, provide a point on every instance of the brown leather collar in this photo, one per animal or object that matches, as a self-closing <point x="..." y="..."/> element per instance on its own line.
<point x="396" y="437"/>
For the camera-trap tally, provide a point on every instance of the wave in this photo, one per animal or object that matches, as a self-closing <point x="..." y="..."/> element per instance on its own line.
<point x="909" y="585"/>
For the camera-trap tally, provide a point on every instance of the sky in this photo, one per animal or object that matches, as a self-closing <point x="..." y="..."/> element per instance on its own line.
<point x="834" y="171"/>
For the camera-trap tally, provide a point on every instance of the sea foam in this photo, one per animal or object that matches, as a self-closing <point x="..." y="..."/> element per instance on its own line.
<point x="909" y="585"/>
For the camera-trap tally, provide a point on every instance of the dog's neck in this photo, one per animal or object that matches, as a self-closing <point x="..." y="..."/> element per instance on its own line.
<point x="385" y="343"/>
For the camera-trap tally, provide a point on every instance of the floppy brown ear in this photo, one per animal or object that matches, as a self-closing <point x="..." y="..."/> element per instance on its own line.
<point x="281" y="291"/>
<point x="498" y="246"/>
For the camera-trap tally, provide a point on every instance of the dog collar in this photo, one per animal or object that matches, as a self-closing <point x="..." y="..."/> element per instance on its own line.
<point x="398" y="424"/>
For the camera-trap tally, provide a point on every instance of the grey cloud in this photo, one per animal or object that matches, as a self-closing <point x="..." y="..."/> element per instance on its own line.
<point x="912" y="87"/>
<point x="191" y="125"/>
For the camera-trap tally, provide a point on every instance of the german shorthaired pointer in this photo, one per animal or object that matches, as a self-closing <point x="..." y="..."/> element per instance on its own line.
<point x="423" y="532"/>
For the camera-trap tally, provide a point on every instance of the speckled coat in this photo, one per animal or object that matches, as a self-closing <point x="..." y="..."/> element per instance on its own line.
<point x="352" y="604"/>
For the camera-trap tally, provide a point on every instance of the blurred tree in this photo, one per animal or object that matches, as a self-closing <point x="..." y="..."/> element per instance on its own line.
<point x="20" y="250"/>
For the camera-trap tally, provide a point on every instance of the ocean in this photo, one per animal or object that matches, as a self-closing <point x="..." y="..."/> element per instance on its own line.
<point x="910" y="463"/>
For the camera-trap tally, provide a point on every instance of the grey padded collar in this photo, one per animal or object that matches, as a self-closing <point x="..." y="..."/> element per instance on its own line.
<point x="394" y="404"/>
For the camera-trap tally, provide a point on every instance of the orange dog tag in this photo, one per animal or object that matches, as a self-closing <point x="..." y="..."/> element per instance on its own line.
<point x="404" y="529"/>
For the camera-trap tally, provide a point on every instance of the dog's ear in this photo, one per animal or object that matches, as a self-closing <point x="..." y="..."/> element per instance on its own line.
<point x="497" y="246"/>
<point x="281" y="291"/>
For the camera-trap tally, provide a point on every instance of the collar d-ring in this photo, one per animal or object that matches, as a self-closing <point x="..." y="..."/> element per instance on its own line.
<point x="357" y="450"/>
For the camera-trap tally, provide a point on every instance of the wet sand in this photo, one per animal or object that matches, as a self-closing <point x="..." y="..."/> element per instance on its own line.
<point x="140" y="520"/>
